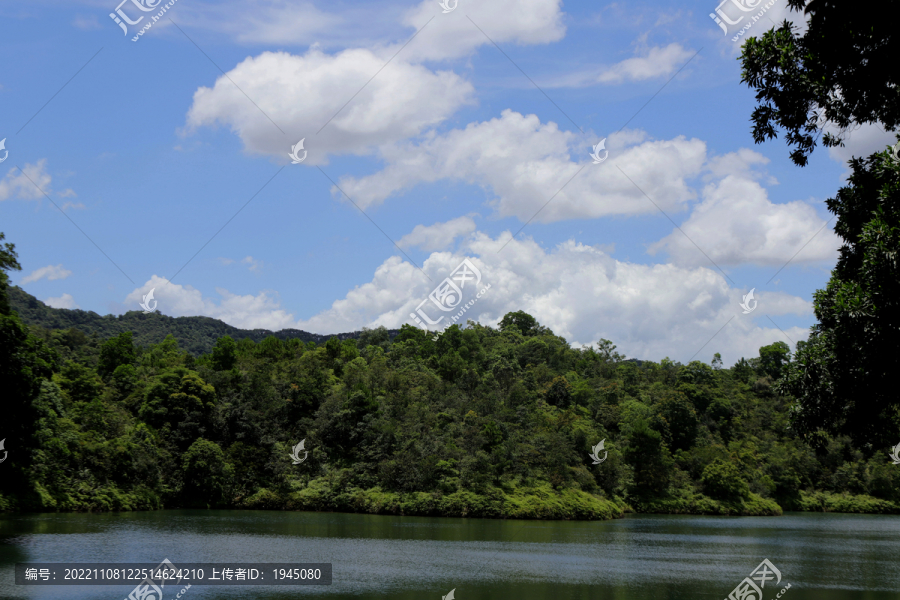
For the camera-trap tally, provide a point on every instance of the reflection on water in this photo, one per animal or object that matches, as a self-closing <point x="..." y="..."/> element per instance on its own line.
<point x="647" y="557"/>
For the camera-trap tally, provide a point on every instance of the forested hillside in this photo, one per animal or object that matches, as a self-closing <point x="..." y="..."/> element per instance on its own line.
<point x="196" y="335"/>
<point x="485" y="421"/>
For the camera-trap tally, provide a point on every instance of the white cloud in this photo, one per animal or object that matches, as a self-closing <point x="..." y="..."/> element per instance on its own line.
<point x="86" y="23"/>
<point x="64" y="301"/>
<point x="650" y="63"/>
<point x="457" y="34"/>
<point x="73" y="205"/>
<point x="736" y="223"/>
<point x="302" y="23"/>
<point x="743" y="163"/>
<point x="293" y="23"/>
<point x="252" y="264"/>
<point x="301" y="94"/>
<point x="279" y="22"/>
<point x="526" y="163"/>
<point x="50" y="272"/>
<point x="583" y="294"/>
<point x="656" y="62"/>
<point x="579" y="291"/>
<point x="438" y="236"/>
<point x="861" y="141"/>
<point x="261" y="311"/>
<point x="21" y="183"/>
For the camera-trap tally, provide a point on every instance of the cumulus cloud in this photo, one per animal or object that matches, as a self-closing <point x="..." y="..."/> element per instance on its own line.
<point x="743" y="163"/>
<point x="49" y="272"/>
<point x="438" y="236"/>
<point x="262" y="311"/>
<point x="455" y="34"/>
<point x="24" y="184"/>
<point x="582" y="293"/>
<point x="736" y="223"/>
<point x="301" y="93"/>
<point x="64" y="301"/>
<point x="579" y="291"/>
<point x="526" y="163"/>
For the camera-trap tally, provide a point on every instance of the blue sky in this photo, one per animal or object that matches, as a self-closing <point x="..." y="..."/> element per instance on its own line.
<point x="157" y="171"/>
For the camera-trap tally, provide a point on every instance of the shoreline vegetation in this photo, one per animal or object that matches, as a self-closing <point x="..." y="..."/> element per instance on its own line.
<point x="534" y="504"/>
<point x="495" y="422"/>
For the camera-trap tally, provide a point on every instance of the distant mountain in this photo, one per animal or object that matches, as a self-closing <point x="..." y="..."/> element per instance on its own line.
<point x="197" y="335"/>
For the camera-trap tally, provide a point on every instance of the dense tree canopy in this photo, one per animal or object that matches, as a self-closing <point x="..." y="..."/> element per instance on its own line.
<point x="25" y="362"/>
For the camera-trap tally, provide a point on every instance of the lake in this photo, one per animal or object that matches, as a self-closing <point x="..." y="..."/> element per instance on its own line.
<point x="641" y="557"/>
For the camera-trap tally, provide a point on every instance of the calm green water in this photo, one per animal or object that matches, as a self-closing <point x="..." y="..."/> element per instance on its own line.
<point x="822" y="556"/>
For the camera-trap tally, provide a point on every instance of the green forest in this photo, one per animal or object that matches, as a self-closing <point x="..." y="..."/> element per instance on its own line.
<point x="197" y="335"/>
<point x="487" y="422"/>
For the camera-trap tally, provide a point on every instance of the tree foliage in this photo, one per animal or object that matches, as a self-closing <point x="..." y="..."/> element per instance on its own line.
<point x="842" y="70"/>
<point x="197" y="335"/>
<point x="842" y="376"/>
<point x="722" y="479"/>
